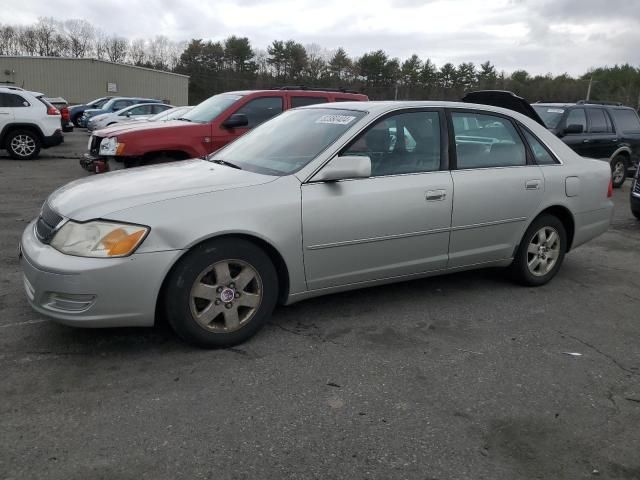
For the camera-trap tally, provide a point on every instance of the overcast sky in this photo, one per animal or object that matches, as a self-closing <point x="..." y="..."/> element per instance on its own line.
<point x="540" y="36"/>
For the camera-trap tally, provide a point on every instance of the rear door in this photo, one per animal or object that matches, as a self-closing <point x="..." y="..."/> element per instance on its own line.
<point x="497" y="188"/>
<point x="6" y="111"/>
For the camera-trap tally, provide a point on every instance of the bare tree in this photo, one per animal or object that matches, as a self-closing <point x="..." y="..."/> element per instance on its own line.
<point x="27" y="40"/>
<point x="138" y="52"/>
<point x="100" y="45"/>
<point x="46" y="30"/>
<point x="116" y="49"/>
<point x="80" y="35"/>
<point x="9" y="44"/>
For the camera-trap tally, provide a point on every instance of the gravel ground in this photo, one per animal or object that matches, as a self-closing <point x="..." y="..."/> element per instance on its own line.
<point x="464" y="376"/>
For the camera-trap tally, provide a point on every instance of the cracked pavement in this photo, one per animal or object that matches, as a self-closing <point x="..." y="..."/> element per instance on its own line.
<point x="464" y="376"/>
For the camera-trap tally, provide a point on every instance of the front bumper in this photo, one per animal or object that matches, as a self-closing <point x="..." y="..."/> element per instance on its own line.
<point x="51" y="141"/>
<point x="92" y="292"/>
<point x="635" y="196"/>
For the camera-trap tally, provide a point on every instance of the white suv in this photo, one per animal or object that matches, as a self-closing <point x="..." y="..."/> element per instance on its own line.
<point x="28" y="122"/>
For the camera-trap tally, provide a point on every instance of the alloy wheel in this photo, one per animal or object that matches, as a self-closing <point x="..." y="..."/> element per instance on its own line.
<point x="226" y="296"/>
<point x="618" y="172"/>
<point x="23" y="145"/>
<point x="543" y="251"/>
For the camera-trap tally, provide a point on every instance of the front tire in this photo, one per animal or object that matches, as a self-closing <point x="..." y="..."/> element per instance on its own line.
<point x="618" y="170"/>
<point x="541" y="251"/>
<point x="221" y="293"/>
<point x="23" y="144"/>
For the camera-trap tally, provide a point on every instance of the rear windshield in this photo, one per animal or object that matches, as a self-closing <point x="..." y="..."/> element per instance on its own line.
<point x="551" y="116"/>
<point x="288" y="142"/>
<point x="626" y="120"/>
<point x="209" y="109"/>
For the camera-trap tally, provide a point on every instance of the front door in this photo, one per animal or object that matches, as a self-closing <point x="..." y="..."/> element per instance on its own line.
<point x="578" y="142"/>
<point x="395" y="222"/>
<point x="496" y="190"/>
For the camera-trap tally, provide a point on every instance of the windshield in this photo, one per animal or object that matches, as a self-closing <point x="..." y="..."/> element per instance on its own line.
<point x="288" y="142"/>
<point x="99" y="102"/>
<point x="211" y="108"/>
<point x="550" y="115"/>
<point x="170" y="114"/>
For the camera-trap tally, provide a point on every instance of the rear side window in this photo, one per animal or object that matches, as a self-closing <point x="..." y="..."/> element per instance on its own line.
<point x="484" y="141"/>
<point x="302" y="101"/>
<point x="261" y="109"/>
<point x="627" y="120"/>
<point x="120" y="104"/>
<point x="577" y="117"/>
<point x="540" y="153"/>
<point x="598" y="121"/>
<point x="12" y="100"/>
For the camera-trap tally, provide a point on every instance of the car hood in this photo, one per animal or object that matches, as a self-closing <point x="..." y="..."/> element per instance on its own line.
<point x="97" y="196"/>
<point x="142" y="126"/>
<point x="94" y="111"/>
<point x="95" y="118"/>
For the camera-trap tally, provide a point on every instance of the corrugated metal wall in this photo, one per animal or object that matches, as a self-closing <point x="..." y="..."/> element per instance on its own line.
<point x="81" y="80"/>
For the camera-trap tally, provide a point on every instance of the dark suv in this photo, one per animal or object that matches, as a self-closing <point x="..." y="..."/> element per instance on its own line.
<point x="602" y="130"/>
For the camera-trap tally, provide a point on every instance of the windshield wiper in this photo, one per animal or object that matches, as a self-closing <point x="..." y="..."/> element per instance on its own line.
<point x="184" y="119"/>
<point x="228" y="164"/>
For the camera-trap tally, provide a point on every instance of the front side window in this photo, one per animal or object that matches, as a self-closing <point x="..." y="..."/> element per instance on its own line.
<point x="577" y="117"/>
<point x="597" y="121"/>
<point x="260" y="110"/>
<point x="159" y="108"/>
<point x="141" y="110"/>
<point x="540" y="154"/>
<point x="627" y="120"/>
<point x="401" y="143"/>
<point x="303" y="101"/>
<point x="287" y="143"/>
<point x="120" y="104"/>
<point x="484" y="141"/>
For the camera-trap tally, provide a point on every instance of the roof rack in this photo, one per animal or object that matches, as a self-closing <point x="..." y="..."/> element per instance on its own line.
<point x="594" y="102"/>
<point x="314" y="89"/>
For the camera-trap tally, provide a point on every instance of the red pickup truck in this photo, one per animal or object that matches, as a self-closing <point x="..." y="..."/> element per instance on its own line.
<point x="207" y="127"/>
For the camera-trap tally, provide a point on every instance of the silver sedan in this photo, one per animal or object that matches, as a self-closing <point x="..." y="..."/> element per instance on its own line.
<point x="321" y="199"/>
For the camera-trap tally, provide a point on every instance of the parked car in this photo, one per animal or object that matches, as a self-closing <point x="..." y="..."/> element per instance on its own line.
<point x="65" y="118"/>
<point x="314" y="201"/>
<point x="113" y="105"/>
<point x="139" y="111"/>
<point x="207" y="127"/>
<point x="607" y="131"/>
<point x="635" y="195"/>
<point x="28" y="122"/>
<point x="76" y="111"/>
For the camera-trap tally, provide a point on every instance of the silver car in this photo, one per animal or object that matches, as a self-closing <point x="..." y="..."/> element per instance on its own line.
<point x="320" y="199"/>
<point x="139" y="111"/>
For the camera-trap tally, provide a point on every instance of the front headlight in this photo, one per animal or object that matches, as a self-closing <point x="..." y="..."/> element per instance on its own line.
<point x="108" y="146"/>
<point x="99" y="238"/>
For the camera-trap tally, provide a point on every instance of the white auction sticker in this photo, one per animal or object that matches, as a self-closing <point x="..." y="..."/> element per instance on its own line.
<point x="555" y="110"/>
<point x="336" y="119"/>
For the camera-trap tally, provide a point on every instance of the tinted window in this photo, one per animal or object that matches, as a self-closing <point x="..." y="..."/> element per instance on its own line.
<point x="627" y="120"/>
<point x="597" y="121"/>
<point x="289" y="142"/>
<point x="577" y="117"/>
<point x="261" y="109"/>
<point x="120" y="104"/>
<point x="302" y="101"/>
<point x="540" y="153"/>
<point x="402" y="143"/>
<point x="160" y="108"/>
<point x="487" y="141"/>
<point x="12" y="100"/>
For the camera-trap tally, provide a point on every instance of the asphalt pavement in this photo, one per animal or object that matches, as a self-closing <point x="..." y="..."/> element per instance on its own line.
<point x="465" y="376"/>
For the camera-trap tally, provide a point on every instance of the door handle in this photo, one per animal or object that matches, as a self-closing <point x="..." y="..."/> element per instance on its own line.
<point x="586" y="141"/>
<point x="532" y="184"/>
<point x="436" y="195"/>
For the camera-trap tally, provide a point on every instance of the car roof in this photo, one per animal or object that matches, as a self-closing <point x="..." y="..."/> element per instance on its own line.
<point x="305" y="91"/>
<point x="553" y="104"/>
<point x="383" y="106"/>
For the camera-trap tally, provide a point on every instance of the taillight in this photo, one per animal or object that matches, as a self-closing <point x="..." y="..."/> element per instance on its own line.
<point x="610" y="190"/>
<point x="51" y="110"/>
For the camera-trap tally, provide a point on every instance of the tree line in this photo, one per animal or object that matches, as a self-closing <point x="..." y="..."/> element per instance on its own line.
<point x="235" y="64"/>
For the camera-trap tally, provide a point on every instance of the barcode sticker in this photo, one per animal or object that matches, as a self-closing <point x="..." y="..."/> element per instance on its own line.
<point x="336" y="119"/>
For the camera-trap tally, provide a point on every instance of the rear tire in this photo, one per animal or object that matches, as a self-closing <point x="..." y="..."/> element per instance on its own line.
<point x="541" y="251"/>
<point x="221" y="293"/>
<point x="23" y="144"/>
<point x="618" y="170"/>
<point x="636" y="213"/>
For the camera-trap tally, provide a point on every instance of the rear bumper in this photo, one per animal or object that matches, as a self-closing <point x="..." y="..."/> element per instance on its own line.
<point x="51" y="141"/>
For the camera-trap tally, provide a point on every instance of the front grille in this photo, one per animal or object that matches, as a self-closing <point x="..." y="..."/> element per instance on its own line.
<point x="95" y="145"/>
<point x="636" y="188"/>
<point x="47" y="223"/>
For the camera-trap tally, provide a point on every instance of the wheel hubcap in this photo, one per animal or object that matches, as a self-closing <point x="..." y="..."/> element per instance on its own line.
<point x="543" y="251"/>
<point x="618" y="172"/>
<point x="226" y="296"/>
<point x="23" y="145"/>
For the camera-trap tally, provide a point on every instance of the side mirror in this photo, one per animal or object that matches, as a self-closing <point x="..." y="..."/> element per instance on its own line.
<point x="573" y="128"/>
<point x="127" y="114"/>
<point x="342" y="168"/>
<point x="236" y="120"/>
